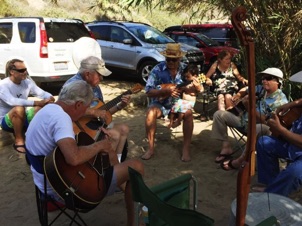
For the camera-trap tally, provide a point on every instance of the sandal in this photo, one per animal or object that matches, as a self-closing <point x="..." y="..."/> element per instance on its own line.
<point x="17" y="148"/>
<point x="225" y="157"/>
<point x="229" y="166"/>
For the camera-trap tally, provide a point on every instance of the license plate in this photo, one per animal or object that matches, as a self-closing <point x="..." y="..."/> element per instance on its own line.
<point x="61" y="66"/>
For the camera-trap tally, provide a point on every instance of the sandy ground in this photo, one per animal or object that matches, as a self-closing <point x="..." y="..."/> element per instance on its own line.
<point x="216" y="187"/>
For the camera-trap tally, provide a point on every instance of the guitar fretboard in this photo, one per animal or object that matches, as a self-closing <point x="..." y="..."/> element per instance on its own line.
<point x="114" y="101"/>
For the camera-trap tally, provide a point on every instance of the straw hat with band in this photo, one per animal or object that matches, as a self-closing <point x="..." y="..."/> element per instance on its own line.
<point x="173" y="51"/>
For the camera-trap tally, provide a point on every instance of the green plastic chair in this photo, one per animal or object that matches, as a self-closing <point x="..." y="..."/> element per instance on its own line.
<point x="271" y="221"/>
<point x="167" y="203"/>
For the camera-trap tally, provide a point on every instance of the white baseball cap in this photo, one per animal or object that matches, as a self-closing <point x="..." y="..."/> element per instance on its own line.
<point x="273" y="71"/>
<point x="296" y="77"/>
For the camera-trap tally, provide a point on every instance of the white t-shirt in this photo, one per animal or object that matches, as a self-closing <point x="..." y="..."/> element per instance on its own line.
<point x="12" y="94"/>
<point x="49" y="125"/>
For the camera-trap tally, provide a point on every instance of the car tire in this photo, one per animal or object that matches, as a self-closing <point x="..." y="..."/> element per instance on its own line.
<point x="145" y="69"/>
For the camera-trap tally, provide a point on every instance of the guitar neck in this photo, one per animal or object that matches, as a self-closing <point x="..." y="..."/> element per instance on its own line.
<point x="114" y="101"/>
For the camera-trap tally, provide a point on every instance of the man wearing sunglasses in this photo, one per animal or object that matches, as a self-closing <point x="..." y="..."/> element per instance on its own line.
<point x="167" y="72"/>
<point x="269" y="97"/>
<point x="14" y="92"/>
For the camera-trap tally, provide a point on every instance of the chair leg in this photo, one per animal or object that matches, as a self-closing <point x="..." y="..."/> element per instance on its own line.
<point x="43" y="211"/>
<point x="238" y="137"/>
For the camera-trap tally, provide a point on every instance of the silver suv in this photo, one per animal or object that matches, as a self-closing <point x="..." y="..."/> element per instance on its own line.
<point x="136" y="47"/>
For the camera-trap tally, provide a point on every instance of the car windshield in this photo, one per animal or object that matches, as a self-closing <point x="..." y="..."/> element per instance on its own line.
<point x="149" y="34"/>
<point x="208" y="41"/>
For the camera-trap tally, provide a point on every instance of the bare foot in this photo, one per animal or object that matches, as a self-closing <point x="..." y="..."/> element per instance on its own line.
<point x="175" y="124"/>
<point x="185" y="158"/>
<point x="148" y="155"/>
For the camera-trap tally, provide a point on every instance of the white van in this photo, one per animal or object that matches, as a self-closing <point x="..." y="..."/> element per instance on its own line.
<point x="44" y="44"/>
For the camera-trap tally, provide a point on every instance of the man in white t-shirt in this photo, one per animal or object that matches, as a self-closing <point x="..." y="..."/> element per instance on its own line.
<point x="53" y="127"/>
<point x="14" y="91"/>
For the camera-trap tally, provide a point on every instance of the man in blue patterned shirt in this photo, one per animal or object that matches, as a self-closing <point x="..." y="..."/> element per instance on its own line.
<point x="270" y="96"/>
<point x="167" y="72"/>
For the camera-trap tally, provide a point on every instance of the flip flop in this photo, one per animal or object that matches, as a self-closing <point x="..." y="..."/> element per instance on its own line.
<point x="16" y="146"/>
<point x="225" y="157"/>
<point x="229" y="166"/>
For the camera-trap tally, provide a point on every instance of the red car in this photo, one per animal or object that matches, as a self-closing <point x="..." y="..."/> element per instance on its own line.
<point x="208" y="46"/>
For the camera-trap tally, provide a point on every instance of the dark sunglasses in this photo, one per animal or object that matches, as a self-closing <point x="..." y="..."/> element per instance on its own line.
<point x="22" y="70"/>
<point x="268" y="77"/>
<point x="171" y="59"/>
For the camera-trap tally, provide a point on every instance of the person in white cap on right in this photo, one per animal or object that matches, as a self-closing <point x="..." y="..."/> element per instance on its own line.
<point x="92" y="69"/>
<point x="269" y="97"/>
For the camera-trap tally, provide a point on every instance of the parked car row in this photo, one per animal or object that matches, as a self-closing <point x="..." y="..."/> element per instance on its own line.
<point x="208" y="46"/>
<point x="136" y="47"/>
<point x="46" y="45"/>
<point x="222" y="33"/>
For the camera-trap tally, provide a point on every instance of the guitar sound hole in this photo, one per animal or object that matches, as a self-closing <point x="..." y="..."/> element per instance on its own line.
<point x="95" y="124"/>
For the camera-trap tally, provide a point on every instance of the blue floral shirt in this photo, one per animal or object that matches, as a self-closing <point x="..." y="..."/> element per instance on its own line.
<point x="97" y="92"/>
<point x="161" y="75"/>
<point x="266" y="104"/>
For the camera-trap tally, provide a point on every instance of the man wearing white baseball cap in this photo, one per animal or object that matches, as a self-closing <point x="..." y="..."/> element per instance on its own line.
<point x="272" y="73"/>
<point x="269" y="97"/>
<point x="92" y="69"/>
<point x="288" y="145"/>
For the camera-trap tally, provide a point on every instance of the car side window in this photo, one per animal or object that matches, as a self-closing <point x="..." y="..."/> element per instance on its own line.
<point x="27" y="32"/>
<point x="101" y="32"/>
<point x="118" y="34"/>
<point x="188" y="40"/>
<point x="6" y="32"/>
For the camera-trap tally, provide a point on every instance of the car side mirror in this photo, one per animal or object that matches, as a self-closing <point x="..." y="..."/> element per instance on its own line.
<point x="127" y="41"/>
<point x="198" y="45"/>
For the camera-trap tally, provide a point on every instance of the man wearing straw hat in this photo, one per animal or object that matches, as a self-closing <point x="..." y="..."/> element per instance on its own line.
<point x="167" y="72"/>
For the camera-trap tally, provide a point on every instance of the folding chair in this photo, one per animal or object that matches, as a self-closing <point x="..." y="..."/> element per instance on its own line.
<point x="168" y="203"/>
<point x="208" y="100"/>
<point x="46" y="204"/>
<point x="240" y="136"/>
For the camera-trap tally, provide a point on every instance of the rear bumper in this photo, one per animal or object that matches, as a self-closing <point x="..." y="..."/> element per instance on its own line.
<point x="55" y="78"/>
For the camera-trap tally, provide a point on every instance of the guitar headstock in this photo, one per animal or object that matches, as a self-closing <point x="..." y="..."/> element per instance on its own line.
<point x="137" y="88"/>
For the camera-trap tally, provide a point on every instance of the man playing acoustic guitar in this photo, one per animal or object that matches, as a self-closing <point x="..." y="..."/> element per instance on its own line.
<point x="92" y="69"/>
<point x="53" y="127"/>
<point x="269" y="98"/>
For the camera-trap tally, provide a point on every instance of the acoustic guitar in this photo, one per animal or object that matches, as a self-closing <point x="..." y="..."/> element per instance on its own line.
<point x="238" y="109"/>
<point x="83" y="186"/>
<point x="287" y="119"/>
<point x="91" y="125"/>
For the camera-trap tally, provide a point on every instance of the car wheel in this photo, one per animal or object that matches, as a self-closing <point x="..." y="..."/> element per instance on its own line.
<point x="144" y="70"/>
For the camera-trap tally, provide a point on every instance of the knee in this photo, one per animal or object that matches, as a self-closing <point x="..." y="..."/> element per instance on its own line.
<point x="124" y="130"/>
<point x="262" y="142"/>
<point x="18" y="111"/>
<point x="138" y="166"/>
<point x="218" y="114"/>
